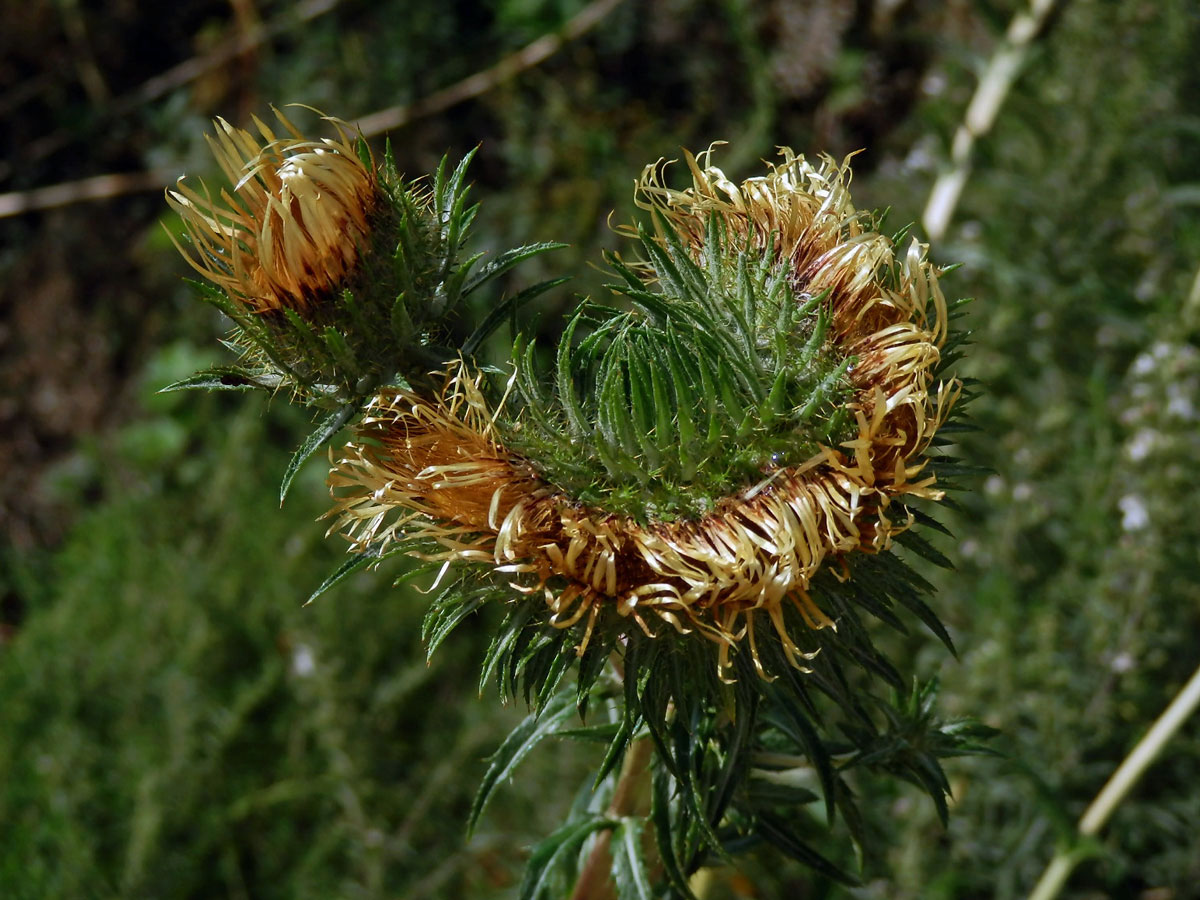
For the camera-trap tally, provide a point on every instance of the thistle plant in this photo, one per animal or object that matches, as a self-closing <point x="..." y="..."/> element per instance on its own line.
<point x="685" y="518"/>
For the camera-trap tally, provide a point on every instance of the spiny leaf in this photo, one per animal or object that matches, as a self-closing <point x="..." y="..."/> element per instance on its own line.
<point x="617" y="748"/>
<point x="452" y="287"/>
<point x="403" y="328"/>
<point x="527" y="735"/>
<point x="598" y="734"/>
<point x="919" y="545"/>
<point x="341" y="354"/>
<point x="327" y="429"/>
<point x="307" y="336"/>
<point x="221" y="378"/>
<point x="780" y="832"/>
<point x="505" y="307"/>
<point x="354" y="564"/>
<point x="248" y="326"/>
<point x="766" y="791"/>
<point x="792" y="721"/>
<point x="506" y="261"/>
<point x="504" y="642"/>
<point x="630" y="871"/>
<point x="442" y="619"/>
<point x="561" y="846"/>
<point x="576" y="418"/>
<point x="665" y="833"/>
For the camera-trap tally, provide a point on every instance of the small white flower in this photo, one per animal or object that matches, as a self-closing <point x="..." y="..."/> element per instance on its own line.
<point x="1141" y="444"/>
<point x="304" y="663"/>
<point x="1143" y="365"/>
<point x="1134" y="515"/>
<point x="1179" y="401"/>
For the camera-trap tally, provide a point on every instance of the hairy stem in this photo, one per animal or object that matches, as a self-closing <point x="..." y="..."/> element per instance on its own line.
<point x="1120" y="784"/>
<point x="629" y="796"/>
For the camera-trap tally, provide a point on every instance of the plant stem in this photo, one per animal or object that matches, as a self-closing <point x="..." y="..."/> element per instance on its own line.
<point x="994" y="85"/>
<point x="594" y="881"/>
<point x="1121" y="782"/>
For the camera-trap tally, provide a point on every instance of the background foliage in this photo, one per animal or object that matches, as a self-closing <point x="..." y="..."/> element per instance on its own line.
<point x="175" y="724"/>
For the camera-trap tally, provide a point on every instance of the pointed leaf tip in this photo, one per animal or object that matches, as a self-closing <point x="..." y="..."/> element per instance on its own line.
<point x="327" y="429"/>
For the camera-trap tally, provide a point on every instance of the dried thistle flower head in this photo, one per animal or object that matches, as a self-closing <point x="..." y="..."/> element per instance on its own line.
<point x="441" y="471"/>
<point x="295" y="224"/>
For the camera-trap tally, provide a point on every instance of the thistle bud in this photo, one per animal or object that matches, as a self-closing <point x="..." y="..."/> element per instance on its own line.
<point x="295" y="224"/>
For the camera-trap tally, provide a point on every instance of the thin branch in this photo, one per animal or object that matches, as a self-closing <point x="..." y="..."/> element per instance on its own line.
<point x="183" y="73"/>
<point x="104" y="186"/>
<point x="99" y="187"/>
<point x="993" y="88"/>
<point x="86" y="67"/>
<point x="1120" y="784"/>
<point x="191" y="69"/>
<point x="481" y="82"/>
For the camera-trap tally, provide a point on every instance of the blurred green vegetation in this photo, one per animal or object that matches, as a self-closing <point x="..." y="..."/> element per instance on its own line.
<point x="175" y="724"/>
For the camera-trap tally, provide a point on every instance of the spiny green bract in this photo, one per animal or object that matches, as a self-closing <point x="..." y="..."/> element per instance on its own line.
<point x="718" y="376"/>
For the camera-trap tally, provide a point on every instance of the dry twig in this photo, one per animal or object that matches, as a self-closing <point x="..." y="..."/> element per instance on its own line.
<point x="104" y="186"/>
<point x="990" y="94"/>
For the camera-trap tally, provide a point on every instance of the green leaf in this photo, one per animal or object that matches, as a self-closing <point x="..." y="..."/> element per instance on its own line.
<point x="923" y="548"/>
<point x="617" y="747"/>
<point x="733" y="770"/>
<point x="403" y="327"/>
<point x="216" y="297"/>
<point x="452" y="286"/>
<point x="561" y="660"/>
<point x="327" y="429"/>
<point x="248" y="327"/>
<point x="363" y="149"/>
<point x="769" y="792"/>
<point x="688" y="751"/>
<point x="565" y="381"/>
<point x="779" y="831"/>
<point x="629" y="861"/>
<point x="309" y="339"/>
<point x="504" y="308"/>
<point x="354" y="564"/>
<point x="561" y="846"/>
<point x="591" y="666"/>
<point x="527" y="735"/>
<point x="444" y="618"/>
<point x="925" y="613"/>
<point x="664" y="833"/>
<point x="794" y="722"/>
<point x="340" y="352"/>
<point x="222" y="378"/>
<point x="506" y="261"/>
<point x="598" y="734"/>
<point x="505" y="642"/>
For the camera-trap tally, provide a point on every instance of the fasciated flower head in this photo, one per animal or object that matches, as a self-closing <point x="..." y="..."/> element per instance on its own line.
<point x="441" y="470"/>
<point x="296" y="221"/>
